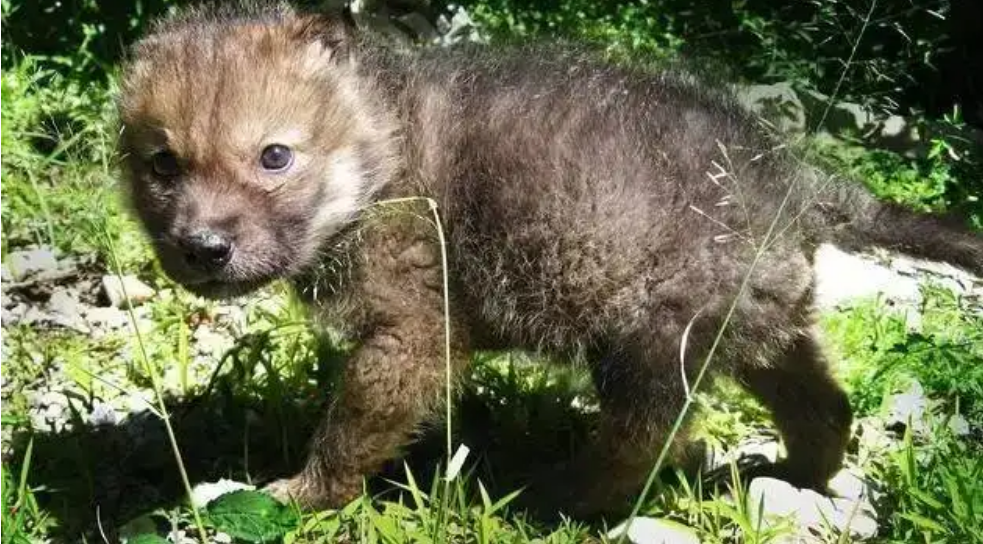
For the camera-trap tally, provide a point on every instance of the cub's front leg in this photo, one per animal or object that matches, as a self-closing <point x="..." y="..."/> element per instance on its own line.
<point x="394" y="381"/>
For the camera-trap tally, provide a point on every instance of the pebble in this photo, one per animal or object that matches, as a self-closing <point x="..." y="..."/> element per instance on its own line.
<point x="117" y="288"/>
<point x="103" y="414"/>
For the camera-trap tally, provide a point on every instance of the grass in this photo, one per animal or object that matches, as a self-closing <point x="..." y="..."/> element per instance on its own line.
<point x="59" y="189"/>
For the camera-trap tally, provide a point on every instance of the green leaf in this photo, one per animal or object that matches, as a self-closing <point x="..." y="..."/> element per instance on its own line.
<point x="251" y="516"/>
<point x="923" y="522"/>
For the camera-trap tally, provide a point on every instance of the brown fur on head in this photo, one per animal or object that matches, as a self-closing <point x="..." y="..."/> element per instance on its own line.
<point x="203" y="98"/>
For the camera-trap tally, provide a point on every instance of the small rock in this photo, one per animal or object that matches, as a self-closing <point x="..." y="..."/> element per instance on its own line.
<point x="232" y="316"/>
<point x="767" y="450"/>
<point x="222" y="538"/>
<point x="33" y="315"/>
<point x="21" y="264"/>
<point x="777" y="103"/>
<point x="103" y="414"/>
<point x="873" y="438"/>
<point x="645" y="530"/>
<point x="459" y="27"/>
<point x="210" y="342"/>
<point x="140" y="401"/>
<point x="65" y="310"/>
<point x="959" y="425"/>
<point x="14" y="314"/>
<point x="206" y="492"/>
<point x="50" y="398"/>
<point x="910" y="405"/>
<point x="117" y="288"/>
<point x="774" y="497"/>
<point x="109" y="318"/>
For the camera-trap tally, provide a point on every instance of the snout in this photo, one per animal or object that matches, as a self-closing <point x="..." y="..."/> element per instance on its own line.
<point x="206" y="250"/>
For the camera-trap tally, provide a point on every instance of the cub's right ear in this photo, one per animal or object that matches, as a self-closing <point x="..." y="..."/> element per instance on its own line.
<point x="333" y="31"/>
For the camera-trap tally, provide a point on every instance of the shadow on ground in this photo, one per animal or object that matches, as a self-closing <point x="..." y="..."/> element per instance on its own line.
<point x="118" y="472"/>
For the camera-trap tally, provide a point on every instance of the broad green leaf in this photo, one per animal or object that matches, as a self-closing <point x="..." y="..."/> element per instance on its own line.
<point x="251" y="516"/>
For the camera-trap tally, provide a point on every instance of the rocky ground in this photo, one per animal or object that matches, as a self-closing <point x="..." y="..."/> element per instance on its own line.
<point x="45" y="290"/>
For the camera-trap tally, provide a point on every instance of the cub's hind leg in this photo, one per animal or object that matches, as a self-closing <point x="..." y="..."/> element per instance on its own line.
<point x="809" y="407"/>
<point x="641" y="394"/>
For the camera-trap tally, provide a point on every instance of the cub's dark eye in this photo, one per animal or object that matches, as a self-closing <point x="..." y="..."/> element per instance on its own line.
<point x="165" y="164"/>
<point x="276" y="158"/>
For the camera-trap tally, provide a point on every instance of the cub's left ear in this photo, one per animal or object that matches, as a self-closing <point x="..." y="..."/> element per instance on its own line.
<point x="333" y="31"/>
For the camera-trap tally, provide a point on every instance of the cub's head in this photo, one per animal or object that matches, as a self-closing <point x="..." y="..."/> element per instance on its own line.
<point x="247" y="140"/>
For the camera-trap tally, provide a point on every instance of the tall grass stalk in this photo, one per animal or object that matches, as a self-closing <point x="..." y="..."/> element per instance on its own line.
<point x="158" y="389"/>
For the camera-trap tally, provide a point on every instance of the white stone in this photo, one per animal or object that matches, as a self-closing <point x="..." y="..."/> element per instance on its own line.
<point x="21" y="264"/>
<point x="842" y="277"/>
<point x="117" y="288"/>
<point x="206" y="492"/>
<point x="910" y="405"/>
<point x="811" y="512"/>
<point x="107" y="318"/>
<point x="773" y="497"/>
<point x="848" y="485"/>
<point x="645" y="530"/>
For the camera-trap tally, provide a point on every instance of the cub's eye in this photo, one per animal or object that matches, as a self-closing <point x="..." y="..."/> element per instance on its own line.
<point x="165" y="164"/>
<point x="276" y="158"/>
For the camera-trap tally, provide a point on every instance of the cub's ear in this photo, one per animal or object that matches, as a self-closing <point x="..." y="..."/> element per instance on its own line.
<point x="333" y="31"/>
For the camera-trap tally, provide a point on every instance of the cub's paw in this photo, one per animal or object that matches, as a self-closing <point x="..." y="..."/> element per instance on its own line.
<point x="312" y="495"/>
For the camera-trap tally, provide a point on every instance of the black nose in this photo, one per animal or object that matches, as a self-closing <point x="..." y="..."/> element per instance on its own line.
<point x="206" y="249"/>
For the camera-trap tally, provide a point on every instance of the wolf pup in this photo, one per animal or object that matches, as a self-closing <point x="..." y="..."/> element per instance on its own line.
<point x="590" y="208"/>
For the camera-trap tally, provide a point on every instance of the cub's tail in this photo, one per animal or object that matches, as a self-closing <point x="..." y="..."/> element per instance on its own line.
<point x="846" y="214"/>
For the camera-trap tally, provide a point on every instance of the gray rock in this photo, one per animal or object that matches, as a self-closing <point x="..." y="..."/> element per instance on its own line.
<point x="810" y="513"/>
<point x="14" y="314"/>
<point x="22" y="264"/>
<point x="460" y="27"/>
<point x="754" y="451"/>
<point x="65" y="310"/>
<point x="33" y="315"/>
<point x="873" y="437"/>
<point x="233" y="317"/>
<point x="50" y="398"/>
<point x="842" y="277"/>
<point x="103" y="414"/>
<point x="909" y="406"/>
<point x="778" y="104"/>
<point x="107" y="318"/>
<point x="118" y="288"/>
<point x="645" y="530"/>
